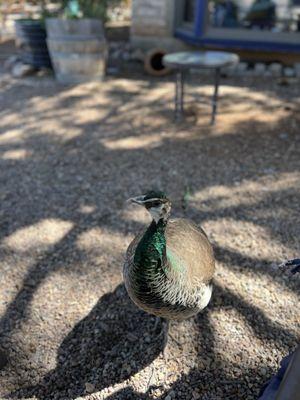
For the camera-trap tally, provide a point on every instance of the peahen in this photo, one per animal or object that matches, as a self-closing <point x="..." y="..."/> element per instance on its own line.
<point x="169" y="266"/>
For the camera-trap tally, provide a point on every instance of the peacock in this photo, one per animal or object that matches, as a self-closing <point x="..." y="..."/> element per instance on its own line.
<point x="169" y="266"/>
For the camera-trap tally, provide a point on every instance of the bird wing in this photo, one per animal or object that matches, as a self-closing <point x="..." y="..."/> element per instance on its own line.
<point x="189" y="252"/>
<point x="133" y="245"/>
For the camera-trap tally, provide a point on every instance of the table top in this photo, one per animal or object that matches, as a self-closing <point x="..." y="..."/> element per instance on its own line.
<point x="200" y="59"/>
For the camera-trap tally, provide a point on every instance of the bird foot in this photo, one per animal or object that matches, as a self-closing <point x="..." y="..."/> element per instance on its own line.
<point x="164" y="333"/>
<point x="175" y="340"/>
<point x="166" y="354"/>
<point x="295" y="264"/>
<point x="150" y="380"/>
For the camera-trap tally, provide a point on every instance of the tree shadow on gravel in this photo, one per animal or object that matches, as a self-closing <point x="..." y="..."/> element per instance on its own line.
<point x="115" y="332"/>
<point x="108" y="346"/>
<point x="244" y="264"/>
<point x="210" y="378"/>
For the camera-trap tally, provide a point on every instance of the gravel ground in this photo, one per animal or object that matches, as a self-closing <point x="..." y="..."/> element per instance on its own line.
<point x="69" y="158"/>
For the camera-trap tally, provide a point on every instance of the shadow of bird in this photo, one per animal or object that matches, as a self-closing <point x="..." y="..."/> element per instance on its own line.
<point x="112" y="343"/>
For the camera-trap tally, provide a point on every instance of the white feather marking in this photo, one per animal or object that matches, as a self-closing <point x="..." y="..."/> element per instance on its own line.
<point x="156" y="212"/>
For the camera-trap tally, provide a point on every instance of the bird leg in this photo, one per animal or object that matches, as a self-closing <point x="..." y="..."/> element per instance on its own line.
<point x="165" y="333"/>
<point x="157" y="321"/>
<point x="165" y="327"/>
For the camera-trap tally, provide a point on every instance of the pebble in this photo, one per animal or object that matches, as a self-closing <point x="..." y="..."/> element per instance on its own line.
<point x="10" y="62"/>
<point x="289" y="72"/>
<point x="242" y="67"/>
<point x="297" y="69"/>
<point x="259" y="69"/>
<point x="20" y="70"/>
<point x="196" y="395"/>
<point x="275" y="69"/>
<point x="89" y="387"/>
<point x="263" y="371"/>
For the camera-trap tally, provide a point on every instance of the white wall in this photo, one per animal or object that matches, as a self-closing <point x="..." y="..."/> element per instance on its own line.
<point x="152" y="17"/>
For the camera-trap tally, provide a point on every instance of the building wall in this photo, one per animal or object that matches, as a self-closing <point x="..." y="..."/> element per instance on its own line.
<point x="153" y="24"/>
<point x="151" y="18"/>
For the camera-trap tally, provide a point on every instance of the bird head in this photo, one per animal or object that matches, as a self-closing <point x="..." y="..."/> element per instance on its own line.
<point x="156" y="202"/>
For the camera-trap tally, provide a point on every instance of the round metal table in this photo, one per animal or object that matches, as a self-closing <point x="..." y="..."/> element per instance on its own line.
<point x="184" y="61"/>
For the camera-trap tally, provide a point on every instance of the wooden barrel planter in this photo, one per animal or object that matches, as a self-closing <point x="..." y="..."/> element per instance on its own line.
<point x="31" y="43"/>
<point x="78" y="49"/>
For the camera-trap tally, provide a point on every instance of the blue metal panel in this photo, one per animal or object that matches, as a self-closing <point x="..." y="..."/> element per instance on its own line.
<point x="189" y="37"/>
<point x="198" y="37"/>
<point x="200" y="17"/>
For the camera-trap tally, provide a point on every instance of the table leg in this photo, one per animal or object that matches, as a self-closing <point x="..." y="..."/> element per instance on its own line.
<point x="179" y="95"/>
<point x="215" y="96"/>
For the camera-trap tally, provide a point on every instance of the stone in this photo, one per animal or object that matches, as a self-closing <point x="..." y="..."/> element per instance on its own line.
<point x="230" y="71"/>
<point x="263" y="371"/>
<point x="297" y="69"/>
<point x="89" y="387"/>
<point x="42" y="72"/>
<point x="259" y="69"/>
<point x="275" y="69"/>
<point x="196" y="395"/>
<point x="20" y="70"/>
<point x="267" y="72"/>
<point x="10" y="62"/>
<point x="289" y="72"/>
<point x="242" y="68"/>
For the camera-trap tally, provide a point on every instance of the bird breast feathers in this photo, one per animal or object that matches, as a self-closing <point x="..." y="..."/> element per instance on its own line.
<point x="189" y="253"/>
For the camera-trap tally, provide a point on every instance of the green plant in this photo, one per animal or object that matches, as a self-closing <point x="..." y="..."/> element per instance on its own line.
<point x="73" y="8"/>
<point x="87" y="8"/>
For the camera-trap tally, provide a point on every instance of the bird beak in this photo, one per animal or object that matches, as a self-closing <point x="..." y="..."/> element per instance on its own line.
<point x="137" y="200"/>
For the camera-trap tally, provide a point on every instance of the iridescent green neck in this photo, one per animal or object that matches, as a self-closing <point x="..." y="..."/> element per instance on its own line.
<point x="151" y="250"/>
